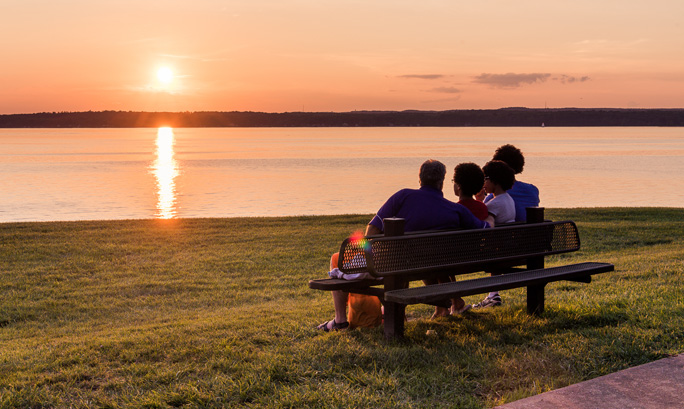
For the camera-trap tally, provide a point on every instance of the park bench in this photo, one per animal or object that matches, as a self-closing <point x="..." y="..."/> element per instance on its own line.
<point x="517" y="251"/>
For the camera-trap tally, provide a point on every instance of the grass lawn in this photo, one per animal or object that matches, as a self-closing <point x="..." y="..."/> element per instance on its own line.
<point x="217" y="313"/>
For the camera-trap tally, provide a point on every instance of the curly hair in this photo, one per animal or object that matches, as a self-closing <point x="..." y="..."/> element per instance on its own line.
<point x="499" y="173"/>
<point x="512" y="156"/>
<point x="469" y="177"/>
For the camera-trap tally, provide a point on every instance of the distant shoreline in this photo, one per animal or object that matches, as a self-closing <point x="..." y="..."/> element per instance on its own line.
<point x="504" y="117"/>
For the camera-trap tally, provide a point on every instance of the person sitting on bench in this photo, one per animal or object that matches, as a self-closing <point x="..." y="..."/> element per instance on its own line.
<point x="499" y="178"/>
<point x="423" y="209"/>
<point x="524" y="194"/>
<point x="469" y="181"/>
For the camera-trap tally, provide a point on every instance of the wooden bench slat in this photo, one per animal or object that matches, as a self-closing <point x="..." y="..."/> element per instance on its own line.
<point x="434" y="293"/>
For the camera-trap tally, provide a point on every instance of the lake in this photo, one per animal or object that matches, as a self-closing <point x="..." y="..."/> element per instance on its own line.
<point x="98" y="174"/>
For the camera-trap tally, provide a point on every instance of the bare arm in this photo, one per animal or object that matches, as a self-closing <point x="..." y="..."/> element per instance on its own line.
<point x="371" y="230"/>
<point x="490" y="220"/>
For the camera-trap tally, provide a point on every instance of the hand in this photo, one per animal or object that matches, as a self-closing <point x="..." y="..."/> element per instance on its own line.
<point x="480" y="196"/>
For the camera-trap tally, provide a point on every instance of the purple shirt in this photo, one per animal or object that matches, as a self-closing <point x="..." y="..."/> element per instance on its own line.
<point x="426" y="209"/>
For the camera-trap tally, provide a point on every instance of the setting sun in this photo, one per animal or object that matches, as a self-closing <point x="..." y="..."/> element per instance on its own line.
<point x="260" y="56"/>
<point x="165" y="75"/>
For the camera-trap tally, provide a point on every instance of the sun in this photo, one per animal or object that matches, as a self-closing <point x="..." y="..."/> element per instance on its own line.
<point x="165" y="75"/>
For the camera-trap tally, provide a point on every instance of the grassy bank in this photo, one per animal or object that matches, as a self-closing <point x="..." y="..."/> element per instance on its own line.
<point x="217" y="313"/>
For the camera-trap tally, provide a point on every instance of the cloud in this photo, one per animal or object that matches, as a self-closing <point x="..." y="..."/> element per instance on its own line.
<point x="447" y="90"/>
<point x="441" y="100"/>
<point x="423" y="76"/>
<point x="567" y="79"/>
<point x="510" y="80"/>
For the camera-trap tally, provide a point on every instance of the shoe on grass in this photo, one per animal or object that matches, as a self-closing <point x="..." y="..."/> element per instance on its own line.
<point x="334" y="326"/>
<point x="463" y="309"/>
<point x="493" y="301"/>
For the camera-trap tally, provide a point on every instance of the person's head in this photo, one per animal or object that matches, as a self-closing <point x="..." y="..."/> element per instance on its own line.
<point x="468" y="179"/>
<point x="498" y="172"/>
<point x="432" y="174"/>
<point x="512" y="156"/>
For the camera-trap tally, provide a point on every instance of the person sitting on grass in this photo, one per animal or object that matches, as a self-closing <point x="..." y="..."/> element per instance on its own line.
<point x="499" y="177"/>
<point x="422" y="209"/>
<point x="468" y="181"/>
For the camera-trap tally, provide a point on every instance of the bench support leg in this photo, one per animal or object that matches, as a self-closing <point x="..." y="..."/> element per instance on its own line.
<point x="535" y="299"/>
<point x="394" y="313"/>
<point x="394" y="320"/>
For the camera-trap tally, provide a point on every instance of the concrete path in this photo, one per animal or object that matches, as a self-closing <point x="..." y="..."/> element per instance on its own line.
<point x="659" y="384"/>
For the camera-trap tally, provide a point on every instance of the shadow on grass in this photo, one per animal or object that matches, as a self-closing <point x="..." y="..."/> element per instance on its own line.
<point x="14" y="317"/>
<point x="510" y="354"/>
<point x="514" y="325"/>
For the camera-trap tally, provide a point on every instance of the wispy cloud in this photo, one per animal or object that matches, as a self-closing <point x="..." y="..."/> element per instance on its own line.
<point x="424" y="76"/>
<point x="510" y="80"/>
<point x="439" y="100"/>
<point x="447" y="90"/>
<point x="568" y="79"/>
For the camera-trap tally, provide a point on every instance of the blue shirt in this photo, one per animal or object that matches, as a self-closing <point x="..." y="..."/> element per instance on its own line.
<point x="426" y="209"/>
<point x="524" y="195"/>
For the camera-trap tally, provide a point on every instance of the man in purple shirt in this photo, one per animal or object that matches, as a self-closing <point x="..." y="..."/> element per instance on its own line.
<point x="423" y="209"/>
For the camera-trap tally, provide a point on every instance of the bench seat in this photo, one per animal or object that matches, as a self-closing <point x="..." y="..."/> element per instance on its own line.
<point x="368" y="287"/>
<point x="433" y="293"/>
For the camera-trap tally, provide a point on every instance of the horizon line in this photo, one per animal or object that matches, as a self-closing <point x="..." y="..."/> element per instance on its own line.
<point x="345" y="112"/>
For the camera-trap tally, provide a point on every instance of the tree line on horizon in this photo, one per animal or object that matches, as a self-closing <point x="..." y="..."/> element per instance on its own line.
<point x="454" y="118"/>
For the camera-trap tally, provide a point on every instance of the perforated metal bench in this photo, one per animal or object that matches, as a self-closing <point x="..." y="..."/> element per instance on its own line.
<point x="397" y="260"/>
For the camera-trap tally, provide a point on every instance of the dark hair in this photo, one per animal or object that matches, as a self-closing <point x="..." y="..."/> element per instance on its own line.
<point x="500" y="173"/>
<point x="432" y="173"/>
<point x="469" y="177"/>
<point x="512" y="156"/>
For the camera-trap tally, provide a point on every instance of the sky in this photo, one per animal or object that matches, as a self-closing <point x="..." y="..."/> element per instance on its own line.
<point x="342" y="55"/>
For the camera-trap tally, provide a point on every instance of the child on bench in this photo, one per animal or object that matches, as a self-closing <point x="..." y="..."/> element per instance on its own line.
<point x="468" y="181"/>
<point x="499" y="177"/>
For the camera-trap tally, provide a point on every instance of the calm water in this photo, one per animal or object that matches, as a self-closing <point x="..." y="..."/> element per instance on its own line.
<point x="93" y="174"/>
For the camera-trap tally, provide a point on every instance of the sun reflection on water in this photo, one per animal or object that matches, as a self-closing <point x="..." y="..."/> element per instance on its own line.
<point x="165" y="169"/>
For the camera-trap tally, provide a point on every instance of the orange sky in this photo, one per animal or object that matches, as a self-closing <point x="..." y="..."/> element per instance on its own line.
<point x="343" y="55"/>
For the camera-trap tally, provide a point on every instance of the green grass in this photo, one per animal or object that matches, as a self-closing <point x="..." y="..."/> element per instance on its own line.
<point x="217" y="313"/>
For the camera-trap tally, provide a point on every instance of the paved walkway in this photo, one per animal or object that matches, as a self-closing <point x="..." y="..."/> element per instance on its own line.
<point x="659" y="384"/>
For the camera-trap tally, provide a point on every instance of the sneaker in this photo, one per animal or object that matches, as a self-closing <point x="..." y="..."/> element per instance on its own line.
<point x="493" y="301"/>
<point x="462" y="310"/>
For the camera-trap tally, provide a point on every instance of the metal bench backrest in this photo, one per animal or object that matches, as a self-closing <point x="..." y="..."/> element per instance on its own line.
<point x="459" y="250"/>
